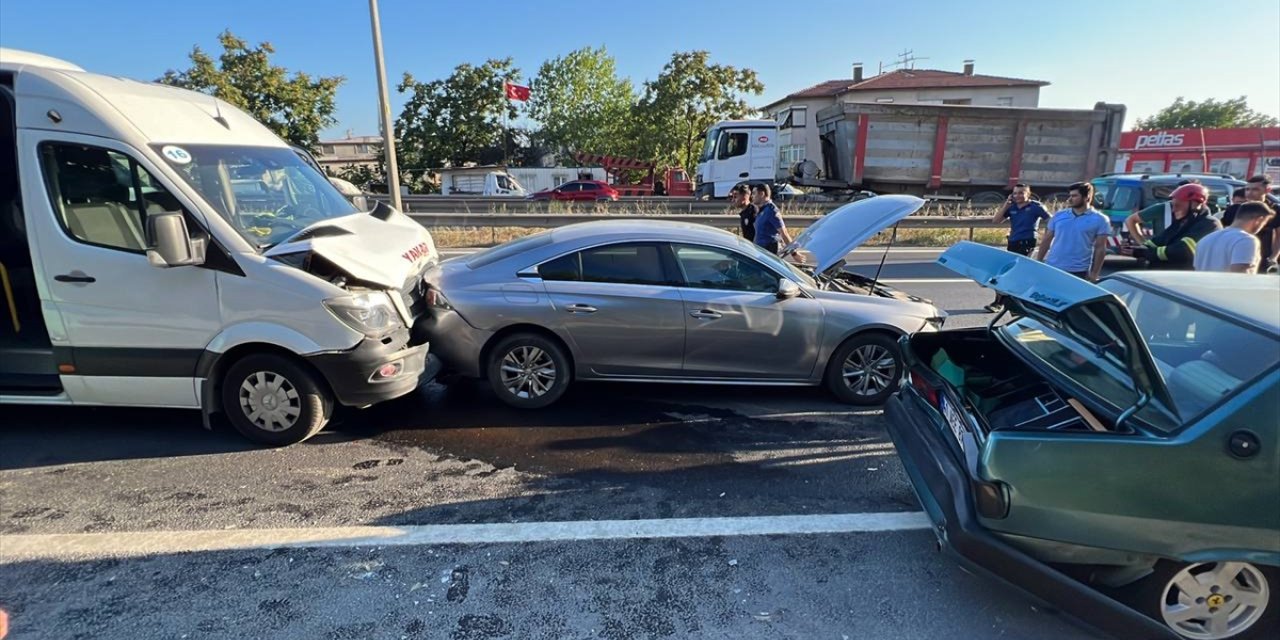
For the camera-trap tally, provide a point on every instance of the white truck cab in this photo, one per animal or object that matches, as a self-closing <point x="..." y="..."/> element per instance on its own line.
<point x="160" y="248"/>
<point x="737" y="151"/>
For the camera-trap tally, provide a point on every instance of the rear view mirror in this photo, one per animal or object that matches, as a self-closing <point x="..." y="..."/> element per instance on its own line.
<point x="171" y="243"/>
<point x="787" y="289"/>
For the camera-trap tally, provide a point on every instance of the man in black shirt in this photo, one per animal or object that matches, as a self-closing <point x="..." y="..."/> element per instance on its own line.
<point x="1258" y="189"/>
<point x="740" y="196"/>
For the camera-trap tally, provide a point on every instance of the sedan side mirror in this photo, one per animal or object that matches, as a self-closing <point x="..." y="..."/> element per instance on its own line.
<point x="171" y="244"/>
<point x="787" y="289"/>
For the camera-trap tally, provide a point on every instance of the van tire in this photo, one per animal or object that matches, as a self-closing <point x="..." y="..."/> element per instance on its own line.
<point x="297" y="408"/>
<point x="868" y="348"/>
<point x="535" y="351"/>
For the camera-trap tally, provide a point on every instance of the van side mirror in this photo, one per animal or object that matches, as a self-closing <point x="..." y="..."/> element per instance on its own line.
<point x="787" y="289"/>
<point x="171" y="243"/>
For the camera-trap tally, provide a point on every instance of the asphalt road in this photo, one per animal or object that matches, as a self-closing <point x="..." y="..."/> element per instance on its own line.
<point x="759" y="513"/>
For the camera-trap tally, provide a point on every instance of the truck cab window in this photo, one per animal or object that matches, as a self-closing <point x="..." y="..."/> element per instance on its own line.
<point x="102" y="197"/>
<point x="732" y="145"/>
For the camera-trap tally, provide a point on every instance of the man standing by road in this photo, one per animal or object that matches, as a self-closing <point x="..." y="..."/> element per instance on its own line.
<point x="1076" y="240"/>
<point x="1174" y="247"/>
<point x="740" y="198"/>
<point x="771" y="231"/>
<point x="1024" y="216"/>
<point x="1236" y="248"/>
<point x="1258" y="189"/>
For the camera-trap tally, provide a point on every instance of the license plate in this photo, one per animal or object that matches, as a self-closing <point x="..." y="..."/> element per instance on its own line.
<point x="954" y="420"/>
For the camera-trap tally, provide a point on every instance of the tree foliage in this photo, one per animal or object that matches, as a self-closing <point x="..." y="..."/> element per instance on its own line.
<point x="689" y="96"/>
<point x="1209" y="114"/>
<point x="296" y="107"/>
<point x="456" y="119"/>
<point x="581" y="103"/>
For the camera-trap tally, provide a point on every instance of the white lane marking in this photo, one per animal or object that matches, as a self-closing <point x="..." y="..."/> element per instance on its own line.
<point x="145" y="543"/>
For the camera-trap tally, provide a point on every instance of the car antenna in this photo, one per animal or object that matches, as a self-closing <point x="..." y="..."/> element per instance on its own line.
<point x="892" y="238"/>
<point x="218" y="118"/>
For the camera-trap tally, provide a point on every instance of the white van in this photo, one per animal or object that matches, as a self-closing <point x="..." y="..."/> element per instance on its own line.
<point x="160" y="248"/>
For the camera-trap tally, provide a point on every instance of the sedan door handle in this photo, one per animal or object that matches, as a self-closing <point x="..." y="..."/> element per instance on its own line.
<point x="75" y="276"/>
<point x="581" y="308"/>
<point x="743" y="174"/>
<point x="706" y="314"/>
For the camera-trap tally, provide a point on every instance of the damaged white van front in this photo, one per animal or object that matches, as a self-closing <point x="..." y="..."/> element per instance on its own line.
<point x="161" y="248"/>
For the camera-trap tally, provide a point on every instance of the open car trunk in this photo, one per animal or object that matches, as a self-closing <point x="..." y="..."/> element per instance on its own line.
<point x="1000" y="389"/>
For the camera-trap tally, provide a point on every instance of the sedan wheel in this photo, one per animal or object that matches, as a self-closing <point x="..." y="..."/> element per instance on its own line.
<point x="1210" y="600"/>
<point x="528" y="371"/>
<point x="865" y="369"/>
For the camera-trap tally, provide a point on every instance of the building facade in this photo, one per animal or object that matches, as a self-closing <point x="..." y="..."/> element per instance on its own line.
<point x="351" y="151"/>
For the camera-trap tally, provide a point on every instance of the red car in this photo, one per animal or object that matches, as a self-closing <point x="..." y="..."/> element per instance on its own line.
<point x="579" y="191"/>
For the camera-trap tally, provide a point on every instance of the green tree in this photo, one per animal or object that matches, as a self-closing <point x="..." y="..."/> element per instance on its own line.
<point x="296" y="107"/>
<point x="454" y="120"/>
<point x="581" y="103"/>
<point x="1209" y="114"/>
<point x="360" y="175"/>
<point x="688" y="96"/>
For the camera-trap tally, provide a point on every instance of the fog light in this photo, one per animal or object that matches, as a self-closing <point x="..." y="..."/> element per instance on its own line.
<point x="389" y="370"/>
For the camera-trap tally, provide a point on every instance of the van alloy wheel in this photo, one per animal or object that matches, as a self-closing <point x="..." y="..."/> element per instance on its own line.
<point x="1215" y="600"/>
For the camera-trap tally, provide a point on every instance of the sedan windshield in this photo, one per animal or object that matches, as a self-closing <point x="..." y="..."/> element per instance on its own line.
<point x="266" y="193"/>
<point x="1202" y="357"/>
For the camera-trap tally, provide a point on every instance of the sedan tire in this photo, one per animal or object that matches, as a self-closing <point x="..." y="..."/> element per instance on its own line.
<point x="865" y="369"/>
<point x="528" y="371"/>
<point x="1210" y="600"/>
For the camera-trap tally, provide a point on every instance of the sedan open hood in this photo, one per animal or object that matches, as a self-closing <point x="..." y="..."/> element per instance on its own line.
<point x="831" y="238"/>
<point x="383" y="247"/>
<point x="1089" y="312"/>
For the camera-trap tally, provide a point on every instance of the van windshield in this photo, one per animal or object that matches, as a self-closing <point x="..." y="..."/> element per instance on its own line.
<point x="266" y="193"/>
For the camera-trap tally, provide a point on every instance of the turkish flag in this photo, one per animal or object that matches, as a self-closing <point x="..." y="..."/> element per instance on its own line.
<point x="515" y="91"/>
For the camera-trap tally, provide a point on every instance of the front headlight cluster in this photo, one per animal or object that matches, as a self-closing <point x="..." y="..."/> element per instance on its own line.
<point x="369" y="313"/>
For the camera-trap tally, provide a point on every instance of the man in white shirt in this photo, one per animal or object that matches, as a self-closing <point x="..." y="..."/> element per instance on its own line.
<point x="1235" y="249"/>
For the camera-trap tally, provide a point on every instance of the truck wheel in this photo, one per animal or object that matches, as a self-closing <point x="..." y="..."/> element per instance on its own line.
<point x="528" y="371"/>
<point x="274" y="401"/>
<point x="865" y="369"/>
<point x="987" y="198"/>
<point x="1210" y="600"/>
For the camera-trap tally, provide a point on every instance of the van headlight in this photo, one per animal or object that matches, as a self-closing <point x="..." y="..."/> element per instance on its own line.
<point x="369" y="313"/>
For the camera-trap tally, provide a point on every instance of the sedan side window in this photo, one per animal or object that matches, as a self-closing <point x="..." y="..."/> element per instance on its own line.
<point x="623" y="264"/>
<point x="571" y="187"/>
<point x="563" y="268"/>
<point x="714" y="268"/>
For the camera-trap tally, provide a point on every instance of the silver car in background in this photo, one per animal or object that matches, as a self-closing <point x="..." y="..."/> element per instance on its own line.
<point x="642" y="300"/>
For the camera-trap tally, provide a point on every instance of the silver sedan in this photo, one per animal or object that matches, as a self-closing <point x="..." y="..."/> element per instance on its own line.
<point x="650" y="301"/>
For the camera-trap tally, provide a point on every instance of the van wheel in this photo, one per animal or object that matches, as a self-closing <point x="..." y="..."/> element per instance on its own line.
<point x="865" y="369"/>
<point x="272" y="400"/>
<point x="1210" y="600"/>
<point x="528" y="371"/>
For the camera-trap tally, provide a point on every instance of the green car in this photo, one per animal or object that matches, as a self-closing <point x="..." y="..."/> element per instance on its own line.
<point x="1113" y="449"/>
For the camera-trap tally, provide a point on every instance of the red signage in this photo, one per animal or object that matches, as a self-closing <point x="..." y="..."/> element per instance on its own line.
<point x="1195" y="139"/>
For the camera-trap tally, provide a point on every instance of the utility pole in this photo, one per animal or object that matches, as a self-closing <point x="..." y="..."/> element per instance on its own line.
<point x="384" y="109"/>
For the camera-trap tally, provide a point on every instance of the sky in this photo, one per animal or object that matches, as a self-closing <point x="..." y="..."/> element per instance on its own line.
<point x="1137" y="53"/>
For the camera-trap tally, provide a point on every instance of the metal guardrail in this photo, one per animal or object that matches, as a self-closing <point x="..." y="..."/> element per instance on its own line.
<point x="552" y="220"/>
<point x="672" y="205"/>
